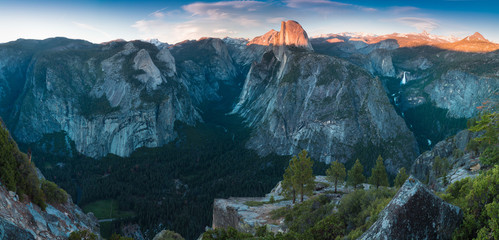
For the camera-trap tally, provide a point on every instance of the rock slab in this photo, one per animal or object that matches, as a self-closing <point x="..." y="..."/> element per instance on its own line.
<point x="415" y="213"/>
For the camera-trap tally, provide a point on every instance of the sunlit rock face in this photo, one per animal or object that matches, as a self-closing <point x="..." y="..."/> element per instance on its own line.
<point x="292" y="34"/>
<point x="415" y="213"/>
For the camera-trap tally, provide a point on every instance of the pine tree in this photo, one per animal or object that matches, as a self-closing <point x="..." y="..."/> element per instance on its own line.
<point x="336" y="173"/>
<point x="355" y="175"/>
<point x="378" y="174"/>
<point x="303" y="177"/>
<point x="401" y="177"/>
<point x="287" y="185"/>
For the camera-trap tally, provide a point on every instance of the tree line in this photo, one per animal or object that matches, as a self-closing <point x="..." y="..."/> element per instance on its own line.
<point x="298" y="178"/>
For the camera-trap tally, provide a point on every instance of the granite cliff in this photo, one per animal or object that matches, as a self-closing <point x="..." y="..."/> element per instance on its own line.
<point x="296" y="99"/>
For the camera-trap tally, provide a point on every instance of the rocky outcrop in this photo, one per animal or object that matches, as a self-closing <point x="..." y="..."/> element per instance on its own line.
<point x="24" y="220"/>
<point x="415" y="213"/>
<point x="323" y="104"/>
<point x="11" y="231"/>
<point x="237" y="213"/>
<point x="461" y="162"/>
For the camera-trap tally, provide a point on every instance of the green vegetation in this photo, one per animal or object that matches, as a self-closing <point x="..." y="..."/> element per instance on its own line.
<point x="168" y="235"/>
<point x="378" y="174"/>
<point x="17" y="172"/>
<point x="488" y="143"/>
<point x="360" y="209"/>
<point x="293" y="74"/>
<point x="116" y="236"/>
<point x="478" y="197"/>
<point x="479" y="200"/>
<point x="330" y="73"/>
<point x="423" y="119"/>
<point x="299" y="177"/>
<point x="53" y="193"/>
<point x="107" y="209"/>
<point x="82" y="235"/>
<point x="316" y="218"/>
<point x="440" y="166"/>
<point x="355" y="175"/>
<point x="400" y="178"/>
<point x="336" y="173"/>
<point x="206" y="160"/>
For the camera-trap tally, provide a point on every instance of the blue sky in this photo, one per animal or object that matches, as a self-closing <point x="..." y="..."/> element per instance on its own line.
<point x="173" y="21"/>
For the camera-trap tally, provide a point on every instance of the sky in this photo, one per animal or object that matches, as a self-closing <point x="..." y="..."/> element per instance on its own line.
<point x="174" y="21"/>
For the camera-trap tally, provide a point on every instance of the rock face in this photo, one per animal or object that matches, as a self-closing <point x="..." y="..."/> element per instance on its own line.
<point x="204" y="66"/>
<point x="323" y="104"/>
<point x="292" y="34"/>
<point x="415" y="213"/>
<point x="111" y="98"/>
<point x="461" y="92"/>
<point x="462" y="163"/>
<point x="266" y="39"/>
<point x="11" y="231"/>
<point x="21" y="220"/>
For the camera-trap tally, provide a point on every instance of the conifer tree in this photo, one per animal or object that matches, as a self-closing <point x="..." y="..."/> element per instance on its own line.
<point x="378" y="174"/>
<point x="355" y="175"/>
<point x="303" y="177"/>
<point x="287" y="184"/>
<point x="401" y="177"/>
<point x="336" y="173"/>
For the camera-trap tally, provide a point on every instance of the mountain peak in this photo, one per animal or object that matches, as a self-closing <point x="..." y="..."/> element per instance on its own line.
<point x="293" y="34"/>
<point x="476" y="37"/>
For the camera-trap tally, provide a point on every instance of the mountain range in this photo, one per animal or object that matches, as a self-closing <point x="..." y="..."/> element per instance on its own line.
<point x="342" y="97"/>
<point x="338" y="96"/>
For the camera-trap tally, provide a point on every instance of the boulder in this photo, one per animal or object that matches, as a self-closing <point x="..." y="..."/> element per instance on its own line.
<point x="415" y="213"/>
<point x="11" y="231"/>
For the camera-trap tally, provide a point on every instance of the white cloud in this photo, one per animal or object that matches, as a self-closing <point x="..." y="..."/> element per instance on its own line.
<point x="420" y="24"/>
<point x="223" y="9"/>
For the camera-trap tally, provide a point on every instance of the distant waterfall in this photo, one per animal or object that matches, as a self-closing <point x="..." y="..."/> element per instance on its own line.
<point x="404" y="81"/>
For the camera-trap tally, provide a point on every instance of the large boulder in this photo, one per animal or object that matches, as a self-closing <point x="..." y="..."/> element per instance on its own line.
<point x="11" y="231"/>
<point x="415" y="213"/>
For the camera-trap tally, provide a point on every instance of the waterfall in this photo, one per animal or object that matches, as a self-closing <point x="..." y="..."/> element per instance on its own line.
<point x="404" y="81"/>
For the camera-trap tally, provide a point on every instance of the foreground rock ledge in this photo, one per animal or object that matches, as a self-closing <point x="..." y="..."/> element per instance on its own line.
<point x="415" y="213"/>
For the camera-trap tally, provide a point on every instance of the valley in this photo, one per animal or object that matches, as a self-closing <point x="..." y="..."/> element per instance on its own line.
<point x="158" y="132"/>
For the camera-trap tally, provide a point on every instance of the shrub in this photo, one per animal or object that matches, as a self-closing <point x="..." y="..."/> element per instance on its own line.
<point x="478" y="200"/>
<point x="329" y="228"/>
<point x="53" y="193"/>
<point x="82" y="235"/>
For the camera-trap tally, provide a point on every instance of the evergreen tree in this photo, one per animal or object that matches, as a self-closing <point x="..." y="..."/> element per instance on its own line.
<point x="287" y="184"/>
<point x="401" y="177"/>
<point x="355" y="175"/>
<point x="302" y="175"/>
<point x="336" y="173"/>
<point x="378" y="174"/>
<point x="488" y="142"/>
